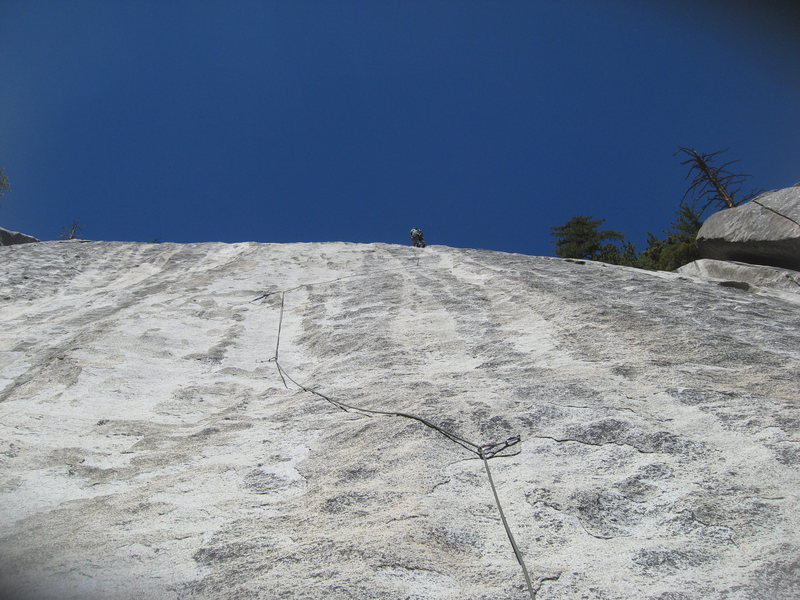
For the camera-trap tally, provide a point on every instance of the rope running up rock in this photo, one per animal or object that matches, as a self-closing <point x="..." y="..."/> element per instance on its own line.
<point x="483" y="451"/>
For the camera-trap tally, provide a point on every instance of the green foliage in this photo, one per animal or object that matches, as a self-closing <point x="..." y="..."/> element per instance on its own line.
<point x="667" y="254"/>
<point x="580" y="238"/>
<point x="679" y="247"/>
<point x="615" y="254"/>
<point x="711" y="185"/>
<point x="688" y="223"/>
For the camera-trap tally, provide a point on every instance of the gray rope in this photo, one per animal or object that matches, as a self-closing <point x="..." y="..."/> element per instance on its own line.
<point x="483" y="451"/>
<point x="278" y="343"/>
<point x="471" y="446"/>
<point x="514" y="546"/>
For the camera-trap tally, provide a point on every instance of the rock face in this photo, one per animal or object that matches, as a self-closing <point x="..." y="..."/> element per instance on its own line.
<point x="7" y="238"/>
<point x="765" y="231"/>
<point x="773" y="278"/>
<point x="150" y="449"/>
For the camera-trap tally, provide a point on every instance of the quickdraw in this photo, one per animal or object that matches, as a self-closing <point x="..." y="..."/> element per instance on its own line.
<point x="492" y="450"/>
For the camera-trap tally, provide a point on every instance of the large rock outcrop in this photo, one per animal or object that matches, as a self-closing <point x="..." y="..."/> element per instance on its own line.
<point x="150" y="449"/>
<point x="744" y="276"/>
<point x="7" y="238"/>
<point x="765" y="231"/>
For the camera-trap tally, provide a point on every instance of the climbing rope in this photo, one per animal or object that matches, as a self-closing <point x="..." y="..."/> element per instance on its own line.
<point x="514" y="546"/>
<point x="482" y="451"/>
<point x="278" y="343"/>
<point x="471" y="446"/>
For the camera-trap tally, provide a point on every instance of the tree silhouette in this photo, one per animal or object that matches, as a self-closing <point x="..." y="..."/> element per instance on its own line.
<point x="711" y="185"/>
<point x="580" y="238"/>
<point x="679" y="247"/>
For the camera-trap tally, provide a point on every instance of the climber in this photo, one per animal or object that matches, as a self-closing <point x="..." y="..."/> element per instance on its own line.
<point x="417" y="239"/>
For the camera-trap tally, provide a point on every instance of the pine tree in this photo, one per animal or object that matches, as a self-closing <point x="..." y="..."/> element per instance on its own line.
<point x="679" y="247"/>
<point x="580" y="238"/>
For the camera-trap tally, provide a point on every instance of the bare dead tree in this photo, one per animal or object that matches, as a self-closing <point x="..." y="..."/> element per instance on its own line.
<point x="712" y="184"/>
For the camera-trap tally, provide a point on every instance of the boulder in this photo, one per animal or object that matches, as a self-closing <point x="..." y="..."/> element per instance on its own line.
<point x="7" y="238"/>
<point x="760" y="276"/>
<point x="765" y="231"/>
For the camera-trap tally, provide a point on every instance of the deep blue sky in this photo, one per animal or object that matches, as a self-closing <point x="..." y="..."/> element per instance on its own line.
<point x="482" y="122"/>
